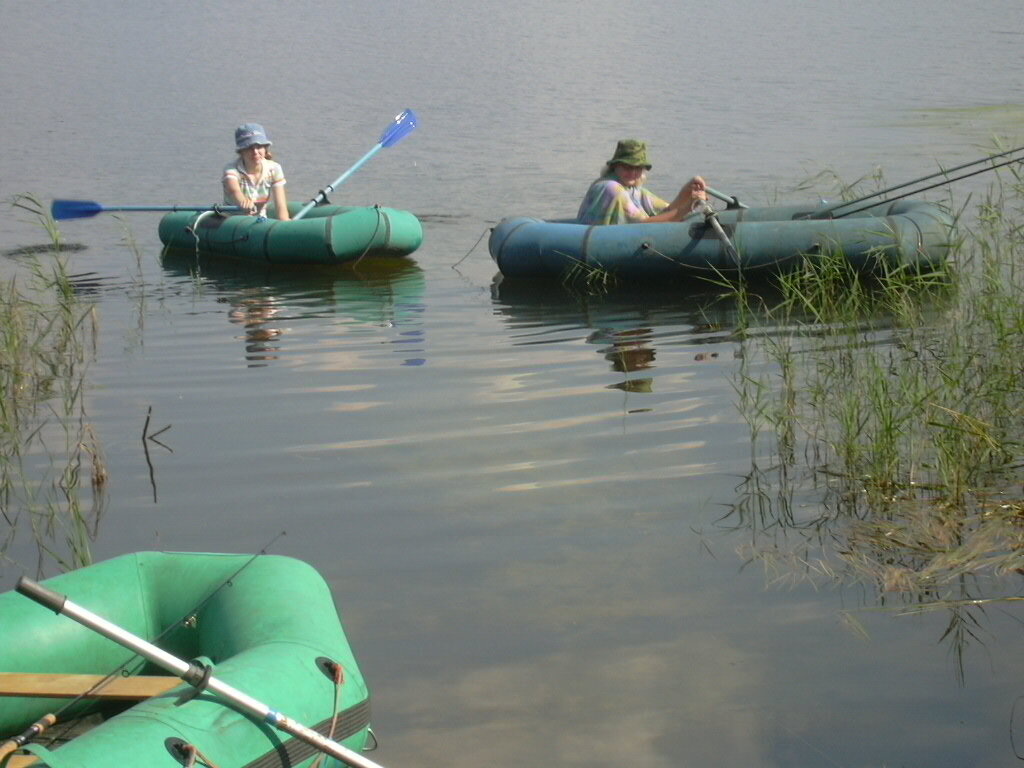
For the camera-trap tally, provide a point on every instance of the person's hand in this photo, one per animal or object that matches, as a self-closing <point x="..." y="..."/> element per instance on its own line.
<point x="697" y="188"/>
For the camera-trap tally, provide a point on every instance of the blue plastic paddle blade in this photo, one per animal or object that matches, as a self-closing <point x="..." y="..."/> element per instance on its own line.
<point x="399" y="128"/>
<point x="74" y="209"/>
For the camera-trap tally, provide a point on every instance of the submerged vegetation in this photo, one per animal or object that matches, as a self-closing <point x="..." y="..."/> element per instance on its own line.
<point x="48" y="450"/>
<point x="887" y="423"/>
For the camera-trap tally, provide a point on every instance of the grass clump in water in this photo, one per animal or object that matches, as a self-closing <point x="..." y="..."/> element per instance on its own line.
<point x="47" y="446"/>
<point x="893" y="409"/>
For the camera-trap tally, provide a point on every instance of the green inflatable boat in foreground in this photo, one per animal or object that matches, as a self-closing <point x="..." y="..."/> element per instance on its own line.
<point x="328" y="234"/>
<point x="267" y="625"/>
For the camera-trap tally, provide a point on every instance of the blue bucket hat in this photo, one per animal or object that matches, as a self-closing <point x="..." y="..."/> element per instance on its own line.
<point x="248" y="134"/>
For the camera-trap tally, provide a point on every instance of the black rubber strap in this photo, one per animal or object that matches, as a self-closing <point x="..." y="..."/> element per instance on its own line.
<point x="198" y="676"/>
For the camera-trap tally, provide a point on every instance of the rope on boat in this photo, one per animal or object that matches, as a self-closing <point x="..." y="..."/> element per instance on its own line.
<point x="195" y="226"/>
<point x="198" y="676"/>
<point x="488" y="229"/>
<point x="193" y="754"/>
<point x="369" y="245"/>
<point x="717" y="271"/>
<point x="338" y="677"/>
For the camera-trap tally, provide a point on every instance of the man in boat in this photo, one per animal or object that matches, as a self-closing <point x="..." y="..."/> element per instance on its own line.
<point x="619" y="197"/>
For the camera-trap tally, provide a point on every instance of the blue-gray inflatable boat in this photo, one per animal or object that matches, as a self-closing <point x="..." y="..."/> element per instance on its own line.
<point x="757" y="242"/>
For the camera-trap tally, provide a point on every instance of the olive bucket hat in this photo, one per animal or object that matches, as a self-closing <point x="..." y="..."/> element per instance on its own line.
<point x="248" y="134"/>
<point x="631" y="152"/>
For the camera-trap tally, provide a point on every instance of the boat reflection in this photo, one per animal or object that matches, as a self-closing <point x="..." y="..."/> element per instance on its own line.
<point x="268" y="303"/>
<point x="628" y="325"/>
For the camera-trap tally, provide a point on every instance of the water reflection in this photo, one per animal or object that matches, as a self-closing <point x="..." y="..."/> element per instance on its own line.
<point x="801" y="527"/>
<point x="628" y="351"/>
<point x="631" y="326"/>
<point x="263" y="301"/>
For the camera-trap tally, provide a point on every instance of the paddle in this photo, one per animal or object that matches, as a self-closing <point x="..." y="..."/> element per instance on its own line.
<point x="190" y="673"/>
<point x="711" y="218"/>
<point x="731" y="200"/>
<point x="81" y="209"/>
<point x="399" y="128"/>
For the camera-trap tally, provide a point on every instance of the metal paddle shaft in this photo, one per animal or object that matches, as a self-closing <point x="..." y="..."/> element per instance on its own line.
<point x="398" y="129"/>
<point x="731" y="201"/>
<point x="81" y="209"/>
<point x="711" y="218"/>
<point x="189" y="672"/>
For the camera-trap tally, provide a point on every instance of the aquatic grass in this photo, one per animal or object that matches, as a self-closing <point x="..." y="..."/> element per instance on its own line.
<point x="47" y="338"/>
<point x="893" y="408"/>
<point x="587" y="278"/>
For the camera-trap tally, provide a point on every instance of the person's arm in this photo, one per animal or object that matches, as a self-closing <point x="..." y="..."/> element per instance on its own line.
<point x="233" y="192"/>
<point x="280" y="201"/>
<point x="682" y="205"/>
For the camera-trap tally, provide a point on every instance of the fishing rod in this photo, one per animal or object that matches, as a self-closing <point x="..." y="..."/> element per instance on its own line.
<point x="49" y="720"/>
<point x="925" y="189"/>
<point x="944" y="172"/>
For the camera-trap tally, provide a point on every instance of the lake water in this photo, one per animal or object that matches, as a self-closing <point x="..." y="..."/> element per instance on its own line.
<point x="520" y="498"/>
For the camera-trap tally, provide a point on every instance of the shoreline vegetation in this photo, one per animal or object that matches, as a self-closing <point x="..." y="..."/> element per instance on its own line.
<point x="48" y="449"/>
<point x="887" y="424"/>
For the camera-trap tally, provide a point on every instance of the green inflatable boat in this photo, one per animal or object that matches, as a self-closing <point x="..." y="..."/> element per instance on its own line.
<point x="327" y="234"/>
<point x="266" y="625"/>
<point x="758" y="242"/>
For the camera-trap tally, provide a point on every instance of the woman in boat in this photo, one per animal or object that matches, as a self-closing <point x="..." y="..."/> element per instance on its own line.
<point x="253" y="179"/>
<point x="619" y="197"/>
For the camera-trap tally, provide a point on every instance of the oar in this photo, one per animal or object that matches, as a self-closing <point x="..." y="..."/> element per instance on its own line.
<point x="711" y="218"/>
<point x="398" y="129"/>
<point x="190" y="673"/>
<point x="731" y="200"/>
<point x="81" y="209"/>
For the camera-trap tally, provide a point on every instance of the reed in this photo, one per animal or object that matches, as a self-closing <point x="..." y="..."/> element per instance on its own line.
<point x="588" y="280"/>
<point x="48" y="449"/>
<point x="893" y="407"/>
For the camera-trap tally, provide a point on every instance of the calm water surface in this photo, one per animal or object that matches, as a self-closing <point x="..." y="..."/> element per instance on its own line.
<point x="522" y="500"/>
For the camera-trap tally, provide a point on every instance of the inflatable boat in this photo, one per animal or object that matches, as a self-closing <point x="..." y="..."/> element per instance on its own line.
<point x="265" y="624"/>
<point x="750" y="242"/>
<point x="328" y="234"/>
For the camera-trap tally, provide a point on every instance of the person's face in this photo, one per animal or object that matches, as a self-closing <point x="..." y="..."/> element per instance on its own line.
<point x="629" y="175"/>
<point x="254" y="153"/>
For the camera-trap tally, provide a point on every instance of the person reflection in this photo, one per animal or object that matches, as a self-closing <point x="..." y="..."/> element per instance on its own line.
<point x="254" y="313"/>
<point x="629" y="352"/>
